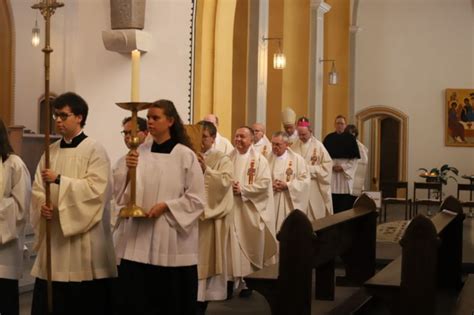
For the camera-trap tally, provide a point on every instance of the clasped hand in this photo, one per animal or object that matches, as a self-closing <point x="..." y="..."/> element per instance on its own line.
<point x="279" y="186"/>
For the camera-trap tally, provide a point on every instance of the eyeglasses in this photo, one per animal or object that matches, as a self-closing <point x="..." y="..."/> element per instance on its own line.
<point x="126" y="133"/>
<point x="63" y="116"/>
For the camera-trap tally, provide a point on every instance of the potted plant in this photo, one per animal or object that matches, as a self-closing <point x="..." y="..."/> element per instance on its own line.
<point x="439" y="175"/>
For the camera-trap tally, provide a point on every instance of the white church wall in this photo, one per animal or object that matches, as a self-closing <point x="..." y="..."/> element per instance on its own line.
<point x="408" y="53"/>
<point x="81" y="64"/>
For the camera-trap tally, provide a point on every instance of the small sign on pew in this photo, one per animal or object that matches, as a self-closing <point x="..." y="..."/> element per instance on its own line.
<point x="376" y="196"/>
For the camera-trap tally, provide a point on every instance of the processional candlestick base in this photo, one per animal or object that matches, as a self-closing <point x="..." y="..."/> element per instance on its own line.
<point x="132" y="210"/>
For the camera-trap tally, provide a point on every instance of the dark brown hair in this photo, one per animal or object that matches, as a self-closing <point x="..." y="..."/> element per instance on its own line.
<point x="5" y="147"/>
<point x="206" y="125"/>
<point x="177" y="131"/>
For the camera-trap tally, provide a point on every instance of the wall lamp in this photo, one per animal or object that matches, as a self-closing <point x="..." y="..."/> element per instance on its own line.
<point x="333" y="77"/>
<point x="279" y="59"/>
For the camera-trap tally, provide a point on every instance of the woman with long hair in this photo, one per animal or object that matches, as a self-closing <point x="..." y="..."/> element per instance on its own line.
<point x="159" y="253"/>
<point x="15" y="192"/>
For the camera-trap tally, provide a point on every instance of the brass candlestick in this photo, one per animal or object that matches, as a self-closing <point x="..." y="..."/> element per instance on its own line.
<point x="132" y="210"/>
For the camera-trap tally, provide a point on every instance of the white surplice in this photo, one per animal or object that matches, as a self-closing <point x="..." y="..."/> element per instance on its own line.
<point x="81" y="240"/>
<point x="361" y="170"/>
<point x="290" y="168"/>
<point x="170" y="240"/>
<point x="320" y="169"/>
<point x="342" y="181"/>
<point x="252" y="235"/>
<point x="15" y="193"/>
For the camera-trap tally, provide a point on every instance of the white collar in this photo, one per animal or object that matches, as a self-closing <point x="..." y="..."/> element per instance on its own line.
<point x="284" y="156"/>
<point x="70" y="141"/>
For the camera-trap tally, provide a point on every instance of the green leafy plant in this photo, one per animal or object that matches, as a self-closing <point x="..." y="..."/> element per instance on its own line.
<point x="440" y="174"/>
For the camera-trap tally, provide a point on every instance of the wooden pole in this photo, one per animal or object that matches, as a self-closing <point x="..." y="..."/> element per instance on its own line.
<point x="47" y="8"/>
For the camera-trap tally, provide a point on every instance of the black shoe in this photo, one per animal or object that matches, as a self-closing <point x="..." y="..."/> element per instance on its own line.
<point x="230" y="289"/>
<point x="245" y="293"/>
<point x="201" y="308"/>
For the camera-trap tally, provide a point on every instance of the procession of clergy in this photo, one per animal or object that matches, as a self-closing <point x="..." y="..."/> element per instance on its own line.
<point x="212" y="216"/>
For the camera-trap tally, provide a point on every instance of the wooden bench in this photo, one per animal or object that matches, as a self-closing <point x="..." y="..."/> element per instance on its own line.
<point x="431" y="257"/>
<point x="350" y="235"/>
<point x="28" y="146"/>
<point x="465" y="304"/>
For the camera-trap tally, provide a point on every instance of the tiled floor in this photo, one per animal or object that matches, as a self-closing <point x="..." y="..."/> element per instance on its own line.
<point x="257" y="305"/>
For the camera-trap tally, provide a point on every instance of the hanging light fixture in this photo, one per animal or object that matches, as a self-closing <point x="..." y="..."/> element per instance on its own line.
<point x="333" y="76"/>
<point x="35" y="36"/>
<point x="279" y="58"/>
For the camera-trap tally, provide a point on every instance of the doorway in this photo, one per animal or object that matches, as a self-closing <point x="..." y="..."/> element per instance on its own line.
<point x="384" y="130"/>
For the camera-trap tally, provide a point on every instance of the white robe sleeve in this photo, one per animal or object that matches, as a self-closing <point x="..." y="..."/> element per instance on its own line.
<point x="81" y="200"/>
<point x="185" y="210"/>
<point x="37" y="198"/>
<point x="258" y="193"/>
<point x="298" y="187"/>
<point x="218" y="183"/>
<point x="14" y="206"/>
<point x="349" y="168"/>
<point x="322" y="170"/>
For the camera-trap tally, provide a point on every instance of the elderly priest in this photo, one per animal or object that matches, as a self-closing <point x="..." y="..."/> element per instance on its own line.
<point x="252" y="236"/>
<point x="320" y="169"/>
<point x="291" y="180"/>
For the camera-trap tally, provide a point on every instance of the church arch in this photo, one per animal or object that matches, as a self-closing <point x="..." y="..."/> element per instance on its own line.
<point x="368" y="122"/>
<point x="7" y="44"/>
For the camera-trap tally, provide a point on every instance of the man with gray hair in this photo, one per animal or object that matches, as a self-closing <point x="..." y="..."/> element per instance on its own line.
<point x="290" y="179"/>
<point x="261" y="142"/>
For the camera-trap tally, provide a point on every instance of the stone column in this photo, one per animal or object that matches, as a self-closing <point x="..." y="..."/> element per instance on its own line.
<point x="315" y="110"/>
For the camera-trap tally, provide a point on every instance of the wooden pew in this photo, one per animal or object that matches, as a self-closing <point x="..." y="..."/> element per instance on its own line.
<point x="349" y="234"/>
<point x="465" y="304"/>
<point x="431" y="257"/>
<point x="28" y="146"/>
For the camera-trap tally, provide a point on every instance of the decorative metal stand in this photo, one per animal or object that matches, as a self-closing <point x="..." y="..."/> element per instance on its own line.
<point x="132" y="210"/>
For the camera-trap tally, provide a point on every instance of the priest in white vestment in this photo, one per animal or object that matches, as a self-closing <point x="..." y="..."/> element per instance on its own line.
<point x="288" y="119"/>
<point x="252" y="235"/>
<point x="320" y="169"/>
<point x="290" y="176"/>
<point x="159" y="255"/>
<point x="361" y="169"/>
<point x="222" y="144"/>
<point x="215" y="222"/>
<point x="15" y="193"/>
<point x="261" y="143"/>
<point x="82" y="253"/>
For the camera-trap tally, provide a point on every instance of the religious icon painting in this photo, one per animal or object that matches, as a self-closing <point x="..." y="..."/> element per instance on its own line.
<point x="459" y="129"/>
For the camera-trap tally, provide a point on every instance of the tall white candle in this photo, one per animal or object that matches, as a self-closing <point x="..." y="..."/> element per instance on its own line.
<point x="135" y="75"/>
